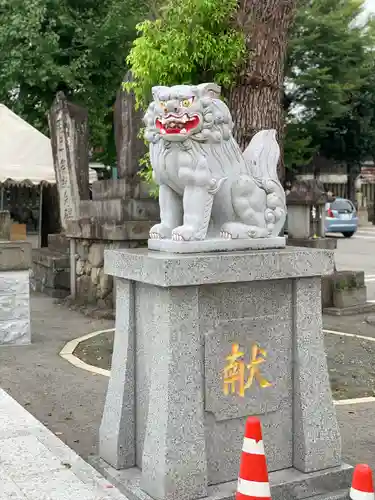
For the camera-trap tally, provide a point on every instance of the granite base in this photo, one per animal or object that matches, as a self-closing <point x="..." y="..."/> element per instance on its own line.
<point x="287" y="484"/>
<point x="322" y="243"/>
<point x="350" y="311"/>
<point x="171" y="410"/>
<point x="216" y="245"/>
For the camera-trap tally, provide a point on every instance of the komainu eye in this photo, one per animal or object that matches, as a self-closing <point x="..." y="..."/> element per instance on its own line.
<point x="185" y="103"/>
<point x="162" y="104"/>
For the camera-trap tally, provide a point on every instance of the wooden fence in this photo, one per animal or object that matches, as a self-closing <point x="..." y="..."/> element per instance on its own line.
<point x="367" y="190"/>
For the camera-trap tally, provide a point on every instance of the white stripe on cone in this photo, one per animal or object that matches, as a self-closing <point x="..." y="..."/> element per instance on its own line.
<point x="252" y="446"/>
<point x="360" y="495"/>
<point x="255" y="489"/>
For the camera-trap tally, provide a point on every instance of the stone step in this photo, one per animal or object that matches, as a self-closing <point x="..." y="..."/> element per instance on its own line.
<point x="110" y="189"/>
<point x="58" y="243"/>
<point x="287" y="484"/>
<point x="118" y="210"/>
<point x="46" y="257"/>
<point x="90" y="228"/>
<point x="55" y="293"/>
<point x="336" y="495"/>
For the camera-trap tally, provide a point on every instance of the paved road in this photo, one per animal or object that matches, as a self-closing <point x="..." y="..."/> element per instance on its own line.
<point x="358" y="254"/>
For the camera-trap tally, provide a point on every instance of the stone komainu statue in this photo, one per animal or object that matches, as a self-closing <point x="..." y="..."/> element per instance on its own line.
<point x="208" y="187"/>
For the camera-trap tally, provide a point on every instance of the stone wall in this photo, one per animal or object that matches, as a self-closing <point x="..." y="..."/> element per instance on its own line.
<point x="92" y="238"/>
<point x="93" y="286"/>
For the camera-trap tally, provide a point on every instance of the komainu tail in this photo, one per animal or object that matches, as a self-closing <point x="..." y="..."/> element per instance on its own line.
<point x="261" y="157"/>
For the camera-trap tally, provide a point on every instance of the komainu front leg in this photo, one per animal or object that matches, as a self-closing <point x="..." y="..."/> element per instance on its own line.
<point x="170" y="213"/>
<point x="197" y="213"/>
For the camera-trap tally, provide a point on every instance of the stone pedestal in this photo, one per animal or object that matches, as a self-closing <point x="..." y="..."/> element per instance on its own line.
<point x="322" y="243"/>
<point x="203" y="341"/>
<point x="306" y="210"/>
<point x="51" y="267"/>
<point x="15" y="263"/>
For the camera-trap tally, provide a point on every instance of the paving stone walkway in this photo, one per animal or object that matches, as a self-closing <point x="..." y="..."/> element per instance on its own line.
<point x="36" y="465"/>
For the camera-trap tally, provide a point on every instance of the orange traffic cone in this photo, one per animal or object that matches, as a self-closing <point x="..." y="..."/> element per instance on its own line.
<point x="253" y="481"/>
<point x="362" y="485"/>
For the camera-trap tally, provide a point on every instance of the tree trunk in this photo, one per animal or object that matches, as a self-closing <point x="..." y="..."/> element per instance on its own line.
<point x="256" y="99"/>
<point x="352" y="171"/>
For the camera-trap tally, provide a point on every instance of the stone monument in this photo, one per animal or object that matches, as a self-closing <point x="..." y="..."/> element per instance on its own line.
<point x="69" y="139"/>
<point x="5" y="224"/>
<point x="120" y="213"/>
<point x="205" y="339"/>
<point x="129" y="146"/>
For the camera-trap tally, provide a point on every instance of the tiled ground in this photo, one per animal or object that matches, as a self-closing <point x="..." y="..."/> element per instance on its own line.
<point x="36" y="465"/>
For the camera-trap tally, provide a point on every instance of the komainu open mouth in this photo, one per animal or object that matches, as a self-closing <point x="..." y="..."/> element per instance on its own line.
<point x="177" y="124"/>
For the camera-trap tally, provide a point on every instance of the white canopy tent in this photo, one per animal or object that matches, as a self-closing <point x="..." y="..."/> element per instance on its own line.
<point x="25" y="153"/>
<point x="25" y="156"/>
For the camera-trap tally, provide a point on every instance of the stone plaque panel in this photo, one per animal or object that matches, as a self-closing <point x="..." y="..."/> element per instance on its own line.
<point x="248" y="367"/>
<point x="247" y="314"/>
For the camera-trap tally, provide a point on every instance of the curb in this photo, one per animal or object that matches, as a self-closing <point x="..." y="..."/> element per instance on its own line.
<point x="69" y="348"/>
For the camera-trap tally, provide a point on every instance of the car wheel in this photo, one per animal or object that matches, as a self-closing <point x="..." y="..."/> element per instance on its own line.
<point x="348" y="235"/>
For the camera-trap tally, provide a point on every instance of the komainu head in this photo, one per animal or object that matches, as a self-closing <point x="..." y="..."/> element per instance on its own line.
<point x="188" y="112"/>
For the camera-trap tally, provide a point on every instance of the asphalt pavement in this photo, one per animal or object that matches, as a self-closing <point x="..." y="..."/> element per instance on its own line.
<point x="356" y="420"/>
<point x="358" y="254"/>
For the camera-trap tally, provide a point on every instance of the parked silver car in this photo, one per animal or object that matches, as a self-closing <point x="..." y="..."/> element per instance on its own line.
<point x="341" y="217"/>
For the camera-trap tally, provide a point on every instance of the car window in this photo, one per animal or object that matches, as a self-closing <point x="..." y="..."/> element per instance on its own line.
<point x="342" y="206"/>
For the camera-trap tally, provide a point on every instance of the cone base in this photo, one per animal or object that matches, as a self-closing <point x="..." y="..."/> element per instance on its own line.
<point x="327" y="484"/>
<point x="240" y="496"/>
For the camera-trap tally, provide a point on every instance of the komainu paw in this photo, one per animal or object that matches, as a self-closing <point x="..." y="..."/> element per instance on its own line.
<point x="160" y="231"/>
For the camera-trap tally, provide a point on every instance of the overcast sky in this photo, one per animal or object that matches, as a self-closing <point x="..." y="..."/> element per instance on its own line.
<point x="370" y="4"/>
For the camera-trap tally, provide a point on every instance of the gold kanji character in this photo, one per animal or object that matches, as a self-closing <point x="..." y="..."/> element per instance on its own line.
<point x="234" y="372"/>
<point x="258" y="356"/>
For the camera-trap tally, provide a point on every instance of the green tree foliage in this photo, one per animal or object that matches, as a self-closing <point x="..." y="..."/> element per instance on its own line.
<point x="76" y="46"/>
<point x="351" y="138"/>
<point x="298" y="149"/>
<point x="191" y="41"/>
<point x="81" y="48"/>
<point x="328" y="64"/>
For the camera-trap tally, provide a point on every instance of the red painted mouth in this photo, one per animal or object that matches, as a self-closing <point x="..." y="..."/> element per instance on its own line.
<point x="177" y="124"/>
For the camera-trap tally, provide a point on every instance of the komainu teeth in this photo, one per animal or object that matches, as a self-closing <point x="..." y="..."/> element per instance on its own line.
<point x="183" y="131"/>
